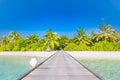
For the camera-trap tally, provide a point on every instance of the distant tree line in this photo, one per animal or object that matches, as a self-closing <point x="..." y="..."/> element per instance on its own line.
<point x="107" y="39"/>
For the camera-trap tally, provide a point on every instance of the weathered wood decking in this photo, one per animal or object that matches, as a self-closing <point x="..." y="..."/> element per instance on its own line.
<point x="61" y="66"/>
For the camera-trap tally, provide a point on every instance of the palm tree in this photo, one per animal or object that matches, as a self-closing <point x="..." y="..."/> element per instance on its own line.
<point x="4" y="41"/>
<point x="63" y="41"/>
<point x="81" y="37"/>
<point x="33" y="38"/>
<point x="51" y="40"/>
<point x="118" y="38"/>
<point x="13" y="36"/>
<point x="108" y="34"/>
<point x="93" y="36"/>
<point x="54" y="41"/>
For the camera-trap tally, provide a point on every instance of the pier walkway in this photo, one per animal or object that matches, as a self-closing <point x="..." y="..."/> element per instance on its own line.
<point x="61" y="66"/>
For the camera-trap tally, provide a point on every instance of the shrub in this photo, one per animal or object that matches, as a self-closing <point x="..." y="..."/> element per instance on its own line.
<point x="9" y="47"/>
<point x="117" y="46"/>
<point x="23" y="49"/>
<point x="70" y="47"/>
<point x="39" y="49"/>
<point x="103" y="46"/>
<point x="16" y="48"/>
<point x="2" y="48"/>
<point x="74" y="47"/>
<point x="82" y="47"/>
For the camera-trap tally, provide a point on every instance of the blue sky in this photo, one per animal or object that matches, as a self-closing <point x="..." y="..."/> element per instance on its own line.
<point x="62" y="16"/>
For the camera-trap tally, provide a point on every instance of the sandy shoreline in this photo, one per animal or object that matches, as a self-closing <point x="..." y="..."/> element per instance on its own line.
<point x="115" y="55"/>
<point x="77" y="54"/>
<point x="40" y="54"/>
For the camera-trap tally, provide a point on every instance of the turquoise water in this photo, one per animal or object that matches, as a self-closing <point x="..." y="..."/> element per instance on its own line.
<point x="107" y="69"/>
<point x="13" y="67"/>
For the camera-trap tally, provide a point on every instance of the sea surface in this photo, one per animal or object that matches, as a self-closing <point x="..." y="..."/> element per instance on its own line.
<point x="13" y="67"/>
<point x="106" y="69"/>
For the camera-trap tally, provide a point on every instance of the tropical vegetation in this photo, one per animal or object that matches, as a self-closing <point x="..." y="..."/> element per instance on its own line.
<point x="107" y="39"/>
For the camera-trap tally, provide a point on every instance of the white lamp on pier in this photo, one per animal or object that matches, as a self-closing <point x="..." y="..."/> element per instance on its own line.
<point x="33" y="62"/>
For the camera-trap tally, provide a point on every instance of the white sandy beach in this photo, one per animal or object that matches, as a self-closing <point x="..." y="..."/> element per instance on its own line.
<point x="95" y="54"/>
<point x="77" y="54"/>
<point x="28" y="53"/>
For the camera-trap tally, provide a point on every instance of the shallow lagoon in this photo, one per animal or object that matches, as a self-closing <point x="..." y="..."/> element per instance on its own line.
<point x="13" y="67"/>
<point x="107" y="69"/>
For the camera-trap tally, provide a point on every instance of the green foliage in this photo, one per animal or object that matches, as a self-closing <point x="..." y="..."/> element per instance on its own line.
<point x="75" y="47"/>
<point x="4" y="41"/>
<point x="70" y="47"/>
<point x="83" y="47"/>
<point x="16" y="48"/>
<point x="106" y="40"/>
<point x="2" y="48"/>
<point x="51" y="40"/>
<point x="32" y="38"/>
<point x="13" y="37"/>
<point x="81" y="37"/>
<point x="38" y="49"/>
<point x="63" y="42"/>
<point x="107" y="33"/>
<point x="103" y="46"/>
<point x="23" y="49"/>
<point x="9" y="47"/>
<point x="117" y="46"/>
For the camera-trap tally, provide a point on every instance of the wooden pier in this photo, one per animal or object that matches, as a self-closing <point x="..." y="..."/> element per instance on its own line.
<point x="61" y="66"/>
